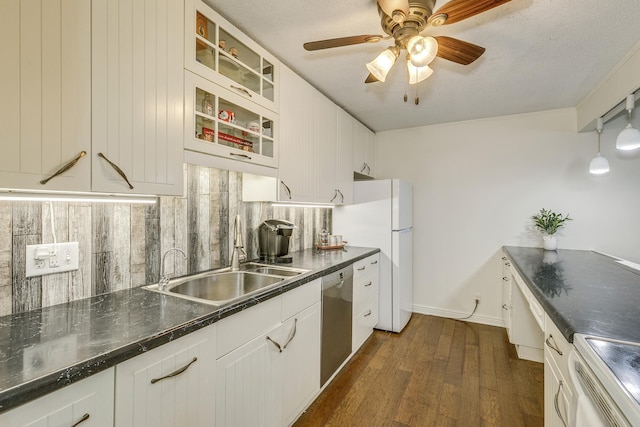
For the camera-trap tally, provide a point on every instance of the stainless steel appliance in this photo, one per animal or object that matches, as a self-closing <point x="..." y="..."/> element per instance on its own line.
<point x="606" y="376"/>
<point x="273" y="240"/>
<point x="337" y="297"/>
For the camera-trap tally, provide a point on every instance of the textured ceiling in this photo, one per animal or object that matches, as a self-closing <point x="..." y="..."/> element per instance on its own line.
<point x="541" y="55"/>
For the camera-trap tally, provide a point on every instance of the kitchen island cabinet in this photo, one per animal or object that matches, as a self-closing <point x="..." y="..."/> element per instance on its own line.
<point x="88" y="404"/>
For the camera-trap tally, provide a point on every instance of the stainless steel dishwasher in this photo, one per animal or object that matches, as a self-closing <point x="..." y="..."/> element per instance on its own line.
<point x="337" y="302"/>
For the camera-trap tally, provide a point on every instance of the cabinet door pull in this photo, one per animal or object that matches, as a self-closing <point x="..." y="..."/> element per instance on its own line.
<point x="175" y="373"/>
<point x="362" y="268"/>
<point x="366" y="166"/>
<point x="117" y="169"/>
<point x="551" y="342"/>
<point x="278" y="346"/>
<point x="508" y="264"/>
<point x="505" y="278"/>
<point x="367" y="284"/>
<point x="374" y="262"/>
<point x="341" y="196"/>
<point x="335" y="194"/>
<point x="505" y="307"/>
<point x="65" y="168"/>
<point x="292" y="333"/>
<point x="504" y="258"/>
<point x="556" y="404"/>
<point x="241" y="89"/>
<point x="367" y="314"/>
<point x="241" y="155"/>
<point x="84" y="418"/>
<point x="287" y="188"/>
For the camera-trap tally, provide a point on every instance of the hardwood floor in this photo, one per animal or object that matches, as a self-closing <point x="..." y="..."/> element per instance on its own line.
<point x="437" y="372"/>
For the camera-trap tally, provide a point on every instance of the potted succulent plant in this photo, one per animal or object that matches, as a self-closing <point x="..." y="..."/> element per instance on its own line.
<point x="549" y="223"/>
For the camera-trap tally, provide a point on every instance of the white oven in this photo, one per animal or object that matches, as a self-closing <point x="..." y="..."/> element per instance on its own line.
<point x="606" y="378"/>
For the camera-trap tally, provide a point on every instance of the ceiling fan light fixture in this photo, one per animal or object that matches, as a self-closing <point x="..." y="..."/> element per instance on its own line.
<point x="418" y="74"/>
<point x="629" y="138"/>
<point x="380" y="66"/>
<point x="422" y="50"/>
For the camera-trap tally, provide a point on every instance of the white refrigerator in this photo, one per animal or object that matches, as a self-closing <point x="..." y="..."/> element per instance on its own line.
<point x="381" y="216"/>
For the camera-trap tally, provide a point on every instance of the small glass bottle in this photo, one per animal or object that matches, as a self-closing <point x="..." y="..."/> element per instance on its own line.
<point x="207" y="106"/>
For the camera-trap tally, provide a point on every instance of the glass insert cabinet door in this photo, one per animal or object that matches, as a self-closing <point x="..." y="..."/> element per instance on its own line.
<point x="224" y="123"/>
<point x="220" y="50"/>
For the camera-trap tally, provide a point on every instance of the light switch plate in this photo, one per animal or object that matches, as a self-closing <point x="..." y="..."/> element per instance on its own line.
<point x="40" y="259"/>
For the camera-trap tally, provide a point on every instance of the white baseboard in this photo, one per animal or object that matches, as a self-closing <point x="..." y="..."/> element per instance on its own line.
<point x="476" y="318"/>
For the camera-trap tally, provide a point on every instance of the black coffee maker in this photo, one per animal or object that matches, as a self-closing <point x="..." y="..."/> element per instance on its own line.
<point x="273" y="239"/>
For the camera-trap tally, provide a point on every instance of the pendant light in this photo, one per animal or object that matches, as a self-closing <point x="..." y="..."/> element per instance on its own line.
<point x="629" y="138"/>
<point x="599" y="165"/>
<point x="380" y="66"/>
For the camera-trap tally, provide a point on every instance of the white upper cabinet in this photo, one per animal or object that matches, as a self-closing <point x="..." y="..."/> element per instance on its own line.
<point x="298" y="170"/>
<point x="363" y="150"/>
<point x="217" y="51"/>
<point x="344" y="157"/>
<point x="137" y="96"/>
<point x="45" y="82"/>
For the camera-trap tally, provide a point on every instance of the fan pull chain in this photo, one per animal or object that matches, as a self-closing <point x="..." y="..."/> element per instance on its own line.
<point x="417" y="100"/>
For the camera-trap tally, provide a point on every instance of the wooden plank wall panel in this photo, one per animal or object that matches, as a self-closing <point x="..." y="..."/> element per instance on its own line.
<point x="55" y="287"/>
<point x="121" y="245"/>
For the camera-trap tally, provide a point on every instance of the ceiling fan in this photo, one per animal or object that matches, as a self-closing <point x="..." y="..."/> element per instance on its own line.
<point x="404" y="20"/>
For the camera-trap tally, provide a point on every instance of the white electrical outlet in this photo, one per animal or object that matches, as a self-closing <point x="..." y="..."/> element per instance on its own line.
<point x="47" y="259"/>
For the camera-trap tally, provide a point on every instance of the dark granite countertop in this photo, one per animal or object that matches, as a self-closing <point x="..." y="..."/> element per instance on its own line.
<point x="44" y="350"/>
<point x="582" y="291"/>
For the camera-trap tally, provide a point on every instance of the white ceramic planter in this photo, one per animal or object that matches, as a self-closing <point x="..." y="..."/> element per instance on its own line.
<point x="550" y="242"/>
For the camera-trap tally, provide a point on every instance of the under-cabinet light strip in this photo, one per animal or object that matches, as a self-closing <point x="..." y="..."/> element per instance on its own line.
<point x="301" y="205"/>
<point x="15" y="196"/>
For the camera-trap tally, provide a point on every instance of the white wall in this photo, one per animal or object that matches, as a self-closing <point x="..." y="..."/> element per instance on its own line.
<point x="477" y="183"/>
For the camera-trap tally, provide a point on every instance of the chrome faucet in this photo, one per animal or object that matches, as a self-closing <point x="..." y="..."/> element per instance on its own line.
<point x="164" y="278"/>
<point x="238" y="246"/>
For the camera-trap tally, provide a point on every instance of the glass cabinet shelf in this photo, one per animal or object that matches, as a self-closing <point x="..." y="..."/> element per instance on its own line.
<point x="219" y="52"/>
<point x="223" y="123"/>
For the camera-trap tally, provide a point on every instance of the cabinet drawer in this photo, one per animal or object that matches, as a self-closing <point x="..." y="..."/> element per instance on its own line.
<point x="363" y="324"/>
<point x="557" y="346"/>
<point x="364" y="292"/>
<point x="300" y="298"/>
<point x="366" y="267"/>
<point x="240" y="328"/>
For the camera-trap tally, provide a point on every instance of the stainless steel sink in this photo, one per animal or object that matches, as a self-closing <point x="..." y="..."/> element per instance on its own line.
<point x="223" y="286"/>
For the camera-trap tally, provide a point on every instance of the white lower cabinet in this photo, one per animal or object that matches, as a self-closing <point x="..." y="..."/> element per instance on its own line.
<point x="366" y="279"/>
<point x="172" y="385"/>
<point x="87" y="403"/>
<point x="558" y="396"/>
<point x="269" y="380"/>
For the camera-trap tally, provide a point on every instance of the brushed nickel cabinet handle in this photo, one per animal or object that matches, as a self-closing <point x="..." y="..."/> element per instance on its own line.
<point x="117" y="169"/>
<point x="287" y="188"/>
<point x="367" y="284"/>
<point x="508" y="264"/>
<point x="556" y="404"/>
<point x="241" y="89"/>
<point x="278" y="346"/>
<point x="505" y="307"/>
<point x="65" y="168"/>
<point x="362" y="268"/>
<point x="175" y="373"/>
<point x="292" y="333"/>
<point x="504" y="258"/>
<point x="341" y="196"/>
<point x="335" y="194"/>
<point x="84" y="418"/>
<point x="364" y="166"/>
<point x="551" y="342"/>
<point x="374" y="262"/>
<point x="367" y="314"/>
<point x="505" y="278"/>
<point x="241" y="155"/>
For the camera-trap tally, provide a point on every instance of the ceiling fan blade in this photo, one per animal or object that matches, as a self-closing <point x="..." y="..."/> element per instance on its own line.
<point x="342" y="41"/>
<point x="458" y="10"/>
<point x="371" y="79"/>
<point x="457" y="50"/>
<point x="389" y="6"/>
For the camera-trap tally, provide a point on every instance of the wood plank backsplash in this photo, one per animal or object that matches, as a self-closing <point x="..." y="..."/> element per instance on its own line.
<point x="121" y="244"/>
